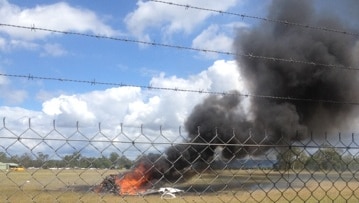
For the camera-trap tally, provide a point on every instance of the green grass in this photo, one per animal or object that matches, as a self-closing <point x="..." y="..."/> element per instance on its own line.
<point x="217" y="186"/>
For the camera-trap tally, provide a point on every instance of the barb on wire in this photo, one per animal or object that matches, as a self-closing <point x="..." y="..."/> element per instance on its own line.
<point x="174" y="46"/>
<point x="176" y="89"/>
<point x="284" y="22"/>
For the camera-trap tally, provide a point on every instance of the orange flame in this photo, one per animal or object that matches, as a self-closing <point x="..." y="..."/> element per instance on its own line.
<point x="133" y="182"/>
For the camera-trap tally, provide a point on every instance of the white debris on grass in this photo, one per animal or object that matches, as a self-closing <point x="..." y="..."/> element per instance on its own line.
<point x="169" y="192"/>
<point x="166" y="192"/>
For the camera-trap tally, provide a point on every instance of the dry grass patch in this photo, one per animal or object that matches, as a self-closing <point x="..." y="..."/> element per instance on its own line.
<point x="217" y="186"/>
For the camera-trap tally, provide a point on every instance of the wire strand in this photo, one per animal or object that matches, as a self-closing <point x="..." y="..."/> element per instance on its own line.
<point x="284" y="22"/>
<point x="175" y="89"/>
<point x="173" y="143"/>
<point x="248" y="55"/>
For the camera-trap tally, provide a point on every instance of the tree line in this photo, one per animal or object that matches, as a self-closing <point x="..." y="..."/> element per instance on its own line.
<point x="74" y="160"/>
<point x="326" y="158"/>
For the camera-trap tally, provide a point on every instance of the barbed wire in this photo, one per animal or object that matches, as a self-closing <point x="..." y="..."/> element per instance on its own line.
<point x="133" y="142"/>
<point x="284" y="22"/>
<point x="248" y="55"/>
<point x="141" y="129"/>
<point x="175" y="89"/>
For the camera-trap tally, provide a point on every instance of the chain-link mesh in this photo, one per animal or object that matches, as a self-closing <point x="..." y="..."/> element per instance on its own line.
<point x="127" y="164"/>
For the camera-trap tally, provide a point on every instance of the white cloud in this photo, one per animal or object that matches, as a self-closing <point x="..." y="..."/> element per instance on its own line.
<point x="11" y="95"/>
<point x="171" y="108"/>
<point x="21" y="44"/>
<point x="136" y="106"/>
<point x="8" y="45"/>
<point x="58" y="16"/>
<point x="213" y="39"/>
<point x="171" y="19"/>
<point x="225" y="76"/>
<point x="110" y="105"/>
<point x="69" y="109"/>
<point x="55" y="50"/>
<point x="131" y="106"/>
<point x="17" y="118"/>
<point x="17" y="113"/>
<point x="217" y="37"/>
<point x="43" y="95"/>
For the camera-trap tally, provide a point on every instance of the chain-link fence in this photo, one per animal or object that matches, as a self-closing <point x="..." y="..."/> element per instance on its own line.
<point x="126" y="164"/>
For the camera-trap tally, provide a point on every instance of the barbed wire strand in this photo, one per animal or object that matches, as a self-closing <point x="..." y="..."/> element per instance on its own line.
<point x="284" y="22"/>
<point x="173" y="143"/>
<point x="175" y="89"/>
<point x="248" y="55"/>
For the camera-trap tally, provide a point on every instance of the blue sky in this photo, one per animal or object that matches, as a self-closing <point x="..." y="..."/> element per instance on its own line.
<point x="45" y="54"/>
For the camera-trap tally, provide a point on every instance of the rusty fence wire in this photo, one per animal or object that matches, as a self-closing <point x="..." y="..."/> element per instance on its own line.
<point x="58" y="163"/>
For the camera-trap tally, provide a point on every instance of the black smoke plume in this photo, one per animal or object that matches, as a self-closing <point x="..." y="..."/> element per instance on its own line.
<point x="298" y="80"/>
<point x="320" y="91"/>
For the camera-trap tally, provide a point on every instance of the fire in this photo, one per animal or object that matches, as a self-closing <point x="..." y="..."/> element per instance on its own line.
<point x="134" y="181"/>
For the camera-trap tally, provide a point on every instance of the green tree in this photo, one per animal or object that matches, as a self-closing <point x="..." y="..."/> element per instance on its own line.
<point x="351" y="162"/>
<point x="291" y="158"/>
<point x="120" y="161"/>
<point x="124" y="162"/>
<point x="25" y="160"/>
<point x="327" y="158"/>
<point x="85" y="162"/>
<point x="41" y="160"/>
<point x="102" y="162"/>
<point x="3" y="157"/>
<point x="73" y="159"/>
<point x="114" y="158"/>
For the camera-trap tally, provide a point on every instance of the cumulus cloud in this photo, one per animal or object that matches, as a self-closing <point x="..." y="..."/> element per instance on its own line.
<point x="132" y="106"/>
<point x="213" y="39"/>
<point x="217" y="37"/>
<point x="69" y="105"/>
<point x="172" y="108"/>
<point x="21" y="115"/>
<point x="135" y="106"/>
<point x="171" y="19"/>
<point x="58" y="16"/>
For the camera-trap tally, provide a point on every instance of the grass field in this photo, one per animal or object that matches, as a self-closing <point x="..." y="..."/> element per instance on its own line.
<point x="222" y="186"/>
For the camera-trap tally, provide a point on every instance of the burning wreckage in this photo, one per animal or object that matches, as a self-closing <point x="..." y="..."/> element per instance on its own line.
<point x="141" y="180"/>
<point x="120" y="184"/>
<point x="273" y="120"/>
<point x="153" y="171"/>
